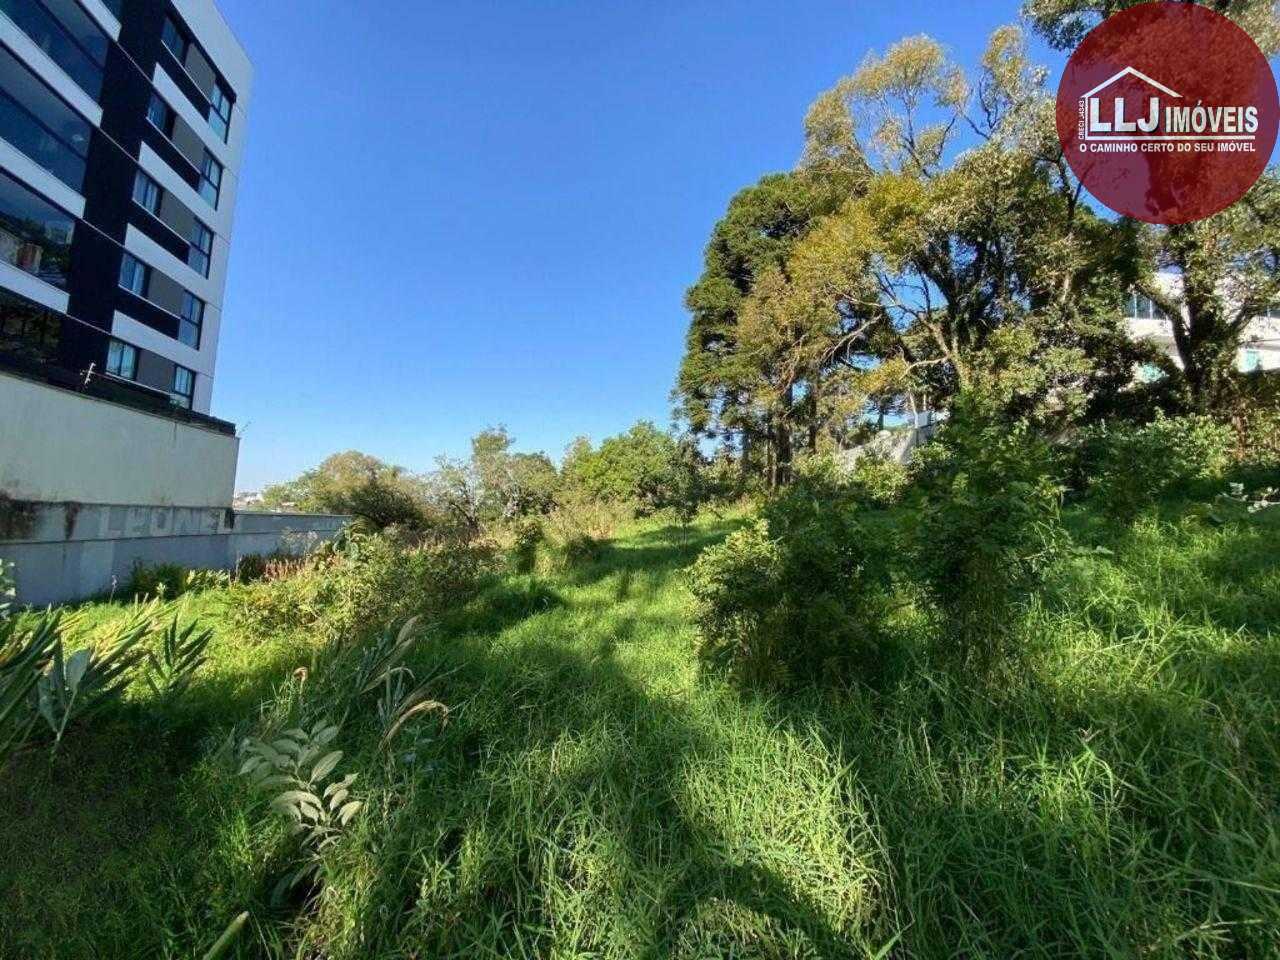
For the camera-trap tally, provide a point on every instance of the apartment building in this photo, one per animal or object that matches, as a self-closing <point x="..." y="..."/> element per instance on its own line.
<point x="122" y="126"/>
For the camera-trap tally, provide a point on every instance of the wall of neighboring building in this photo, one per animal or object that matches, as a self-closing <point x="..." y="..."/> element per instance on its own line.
<point x="67" y="552"/>
<point x="1260" y="349"/>
<point x="56" y="445"/>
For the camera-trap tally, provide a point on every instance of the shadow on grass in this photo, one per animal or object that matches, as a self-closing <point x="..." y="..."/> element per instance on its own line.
<point x="107" y="828"/>
<point x="556" y="759"/>
<point x="658" y="552"/>
<point x="502" y="605"/>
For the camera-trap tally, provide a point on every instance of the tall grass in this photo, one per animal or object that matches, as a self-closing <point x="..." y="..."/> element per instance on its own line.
<point x="595" y="795"/>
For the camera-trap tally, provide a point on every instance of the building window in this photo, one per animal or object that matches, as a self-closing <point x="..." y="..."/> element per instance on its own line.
<point x="146" y="193"/>
<point x="67" y="34"/>
<point x="161" y="115"/>
<point x="1252" y="361"/>
<point x="220" y="111"/>
<point x="40" y="124"/>
<point x="122" y="360"/>
<point x="35" y="236"/>
<point x="192" y="320"/>
<point x="201" y="248"/>
<point x="172" y="38"/>
<point x="1142" y="307"/>
<point x="184" y="387"/>
<point x="210" y="179"/>
<point x="135" y="275"/>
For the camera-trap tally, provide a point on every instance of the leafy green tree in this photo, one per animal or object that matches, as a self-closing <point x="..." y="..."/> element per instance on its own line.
<point x="493" y="484"/>
<point x="1065" y="22"/>
<point x="970" y="223"/>
<point x="643" y="466"/>
<point x="717" y="386"/>
<point x="357" y="485"/>
<point x="1229" y="273"/>
<point x="511" y="484"/>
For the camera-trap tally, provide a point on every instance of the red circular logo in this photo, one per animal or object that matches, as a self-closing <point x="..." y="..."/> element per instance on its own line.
<point x="1168" y="112"/>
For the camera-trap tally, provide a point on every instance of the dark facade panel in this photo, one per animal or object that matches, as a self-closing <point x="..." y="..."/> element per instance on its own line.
<point x="177" y="216"/>
<point x="155" y="371"/>
<point x="188" y="142"/>
<point x="156" y="230"/>
<point x="149" y="314"/>
<point x="165" y="292"/>
<point x="201" y="71"/>
<point x="108" y="191"/>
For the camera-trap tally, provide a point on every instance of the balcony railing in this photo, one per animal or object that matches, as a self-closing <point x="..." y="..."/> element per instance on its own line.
<point x="31" y="366"/>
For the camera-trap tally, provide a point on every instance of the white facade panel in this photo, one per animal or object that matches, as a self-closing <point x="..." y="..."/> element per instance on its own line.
<point x="39" y="179"/>
<point x="208" y="289"/>
<point x="50" y="72"/>
<point x="33" y="288"/>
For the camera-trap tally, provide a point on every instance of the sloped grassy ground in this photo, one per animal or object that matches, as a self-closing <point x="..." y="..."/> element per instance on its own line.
<point x="1114" y="795"/>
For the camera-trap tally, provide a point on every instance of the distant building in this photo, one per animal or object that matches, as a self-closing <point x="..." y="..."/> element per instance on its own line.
<point x="247" y="500"/>
<point x="1260" y="349"/>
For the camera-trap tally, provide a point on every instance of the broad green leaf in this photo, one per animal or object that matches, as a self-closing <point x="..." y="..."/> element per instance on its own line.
<point x="349" y="811"/>
<point x="77" y="667"/>
<point x="325" y="766"/>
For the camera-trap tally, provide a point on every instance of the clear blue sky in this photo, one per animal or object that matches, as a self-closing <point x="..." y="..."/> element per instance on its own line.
<point x="454" y="215"/>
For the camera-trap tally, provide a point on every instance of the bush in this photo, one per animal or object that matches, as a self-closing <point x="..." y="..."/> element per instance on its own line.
<point x="163" y="580"/>
<point x="364" y="584"/>
<point x="987" y="527"/>
<point x="575" y="533"/>
<point x="878" y="481"/>
<point x="275" y="566"/>
<point x="526" y="535"/>
<point x="1127" y="467"/>
<point x="168" y="581"/>
<point x="804" y="592"/>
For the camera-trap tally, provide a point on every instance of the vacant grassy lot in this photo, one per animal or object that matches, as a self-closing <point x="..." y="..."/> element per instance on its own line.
<point x="593" y="795"/>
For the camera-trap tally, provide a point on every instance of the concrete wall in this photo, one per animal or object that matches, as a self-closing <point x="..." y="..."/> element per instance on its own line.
<point x="56" y="445"/>
<point x="66" y="552"/>
<point x="894" y="446"/>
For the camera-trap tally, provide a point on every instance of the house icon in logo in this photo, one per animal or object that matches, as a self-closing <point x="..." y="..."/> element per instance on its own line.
<point x="1113" y="125"/>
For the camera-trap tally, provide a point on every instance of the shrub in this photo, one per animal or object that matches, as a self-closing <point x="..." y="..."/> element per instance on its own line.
<point x="163" y="580"/>
<point x="172" y="667"/>
<point x="576" y="532"/>
<point x="526" y="535"/>
<point x="801" y="594"/>
<point x="364" y="583"/>
<point x="987" y="527"/>
<point x="24" y="655"/>
<point x="878" y="481"/>
<point x="302" y="781"/>
<point x="275" y="566"/>
<point x="1127" y="467"/>
<point x="251" y="568"/>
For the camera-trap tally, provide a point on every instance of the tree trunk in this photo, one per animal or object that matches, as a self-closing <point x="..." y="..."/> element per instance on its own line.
<point x="784" y="439"/>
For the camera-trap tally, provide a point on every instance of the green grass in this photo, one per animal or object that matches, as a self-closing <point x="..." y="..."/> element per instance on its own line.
<point x="1117" y="794"/>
